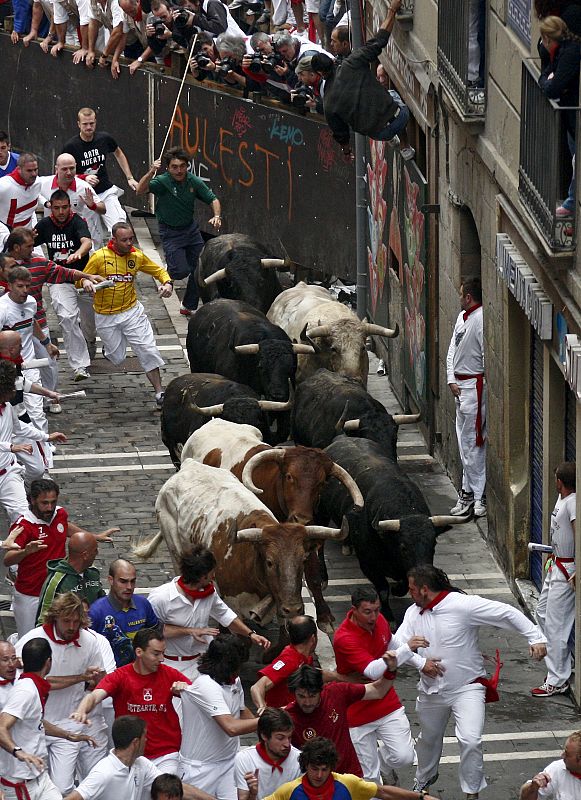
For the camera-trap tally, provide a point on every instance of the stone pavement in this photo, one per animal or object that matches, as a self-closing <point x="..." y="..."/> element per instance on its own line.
<point x="115" y="463"/>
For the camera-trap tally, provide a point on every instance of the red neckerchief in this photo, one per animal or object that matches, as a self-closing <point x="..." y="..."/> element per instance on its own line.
<point x="552" y="49"/>
<point x="324" y="792"/>
<point x="195" y="594"/>
<point x="18" y="360"/>
<point x="2" y="407"/>
<point x="5" y="683"/>
<point x="139" y="16"/>
<point x="470" y="310"/>
<point x="575" y="774"/>
<point x="51" y="633"/>
<point x="66" y="222"/>
<point x="43" y="687"/>
<point x="55" y="184"/>
<point x="112" y="246"/>
<point x="437" y="599"/>
<point x="263" y="753"/>
<point x="15" y="175"/>
<point x="491" y="684"/>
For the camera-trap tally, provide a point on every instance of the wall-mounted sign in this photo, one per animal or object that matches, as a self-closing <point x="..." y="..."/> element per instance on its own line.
<point x="573" y="363"/>
<point x="518" y="17"/>
<point x="523" y="284"/>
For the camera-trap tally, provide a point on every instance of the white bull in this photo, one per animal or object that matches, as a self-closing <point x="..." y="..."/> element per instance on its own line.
<point x="311" y="315"/>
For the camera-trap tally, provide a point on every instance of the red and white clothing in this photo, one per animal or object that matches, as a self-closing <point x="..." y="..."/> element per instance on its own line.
<point x="556" y="607"/>
<point x="357" y="650"/>
<point x="174" y="608"/>
<point x="27" y="732"/>
<point x="5" y="690"/>
<point x="563" y="785"/>
<point x="279" y="671"/>
<point x="270" y="777"/>
<point x="207" y="753"/>
<point x="451" y="626"/>
<point x="32" y="569"/>
<point x="18" y="200"/>
<point x="329" y="720"/>
<point x="465" y="367"/>
<point x="78" y="187"/>
<point x="68" y="658"/>
<point x="149" y="697"/>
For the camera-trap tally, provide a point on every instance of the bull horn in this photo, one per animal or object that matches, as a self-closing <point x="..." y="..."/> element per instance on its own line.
<point x="272" y="454"/>
<point x="351" y="425"/>
<point x="208" y="411"/>
<point x="273" y="263"/>
<point x="249" y="535"/>
<point x="405" y="419"/>
<point x="247" y="349"/>
<point x="214" y="277"/>
<point x="303" y="349"/>
<point x="318" y="330"/>
<point x="275" y="405"/>
<point x="378" y="330"/>
<point x="447" y="519"/>
<point x="322" y="532"/>
<point x="348" y="482"/>
<point x="388" y="525"/>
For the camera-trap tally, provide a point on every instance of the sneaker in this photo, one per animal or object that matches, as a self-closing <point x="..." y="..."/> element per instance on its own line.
<point x="81" y="375"/>
<point x="159" y="401"/>
<point x="479" y="508"/>
<point x="420" y="787"/>
<point x="186" y="312"/>
<point x="546" y="690"/>
<point x="407" y="153"/>
<point x="55" y="408"/>
<point x="561" y="212"/>
<point x="394" y="141"/>
<point x="464" y="504"/>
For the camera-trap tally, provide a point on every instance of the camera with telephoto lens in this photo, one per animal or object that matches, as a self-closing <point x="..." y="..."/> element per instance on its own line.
<point x="201" y="61"/>
<point x="271" y="61"/>
<point x="225" y="65"/>
<point x="255" y="63"/>
<point x="158" y="27"/>
<point x="182" y="18"/>
<point x="300" y="96"/>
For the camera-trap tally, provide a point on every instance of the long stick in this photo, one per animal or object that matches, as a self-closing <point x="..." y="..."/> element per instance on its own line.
<point x="175" y="108"/>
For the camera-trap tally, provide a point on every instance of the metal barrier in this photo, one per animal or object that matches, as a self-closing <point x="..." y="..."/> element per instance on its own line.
<point x="453" y="44"/>
<point x="545" y="161"/>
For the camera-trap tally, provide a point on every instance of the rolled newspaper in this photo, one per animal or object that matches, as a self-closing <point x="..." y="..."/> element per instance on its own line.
<point x="539" y="548"/>
<point x="81" y="393"/>
<point x="36" y="363"/>
<point x="103" y="285"/>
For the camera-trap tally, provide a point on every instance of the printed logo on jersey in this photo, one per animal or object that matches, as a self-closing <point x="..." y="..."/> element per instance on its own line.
<point x="278" y="665"/>
<point x="333" y="716"/>
<point x="131" y="264"/>
<point x="309" y="733"/>
<point x="121" y="278"/>
<point x="60" y="528"/>
<point x="147" y="695"/>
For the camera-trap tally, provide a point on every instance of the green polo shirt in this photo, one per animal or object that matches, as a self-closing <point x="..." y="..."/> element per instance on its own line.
<point x="175" y="201"/>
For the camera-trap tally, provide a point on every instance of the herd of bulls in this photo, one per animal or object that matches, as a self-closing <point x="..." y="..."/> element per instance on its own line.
<point x="267" y="366"/>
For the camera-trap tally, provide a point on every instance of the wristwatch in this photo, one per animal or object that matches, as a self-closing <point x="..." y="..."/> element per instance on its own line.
<point x="15" y="750"/>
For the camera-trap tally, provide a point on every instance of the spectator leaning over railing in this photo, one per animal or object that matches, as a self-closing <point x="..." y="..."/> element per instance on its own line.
<point x="22" y="20"/>
<point x="212" y="16"/>
<point x="232" y="50"/>
<point x="71" y="26"/>
<point x="292" y="50"/>
<point x="306" y="96"/>
<point x="105" y="17"/>
<point x="340" y="43"/>
<point x="41" y="10"/>
<point x="559" y="80"/>
<point x="131" y="38"/>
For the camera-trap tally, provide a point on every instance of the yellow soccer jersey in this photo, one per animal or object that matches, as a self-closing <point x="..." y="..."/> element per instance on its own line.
<point x="122" y="269"/>
<point x="347" y="787"/>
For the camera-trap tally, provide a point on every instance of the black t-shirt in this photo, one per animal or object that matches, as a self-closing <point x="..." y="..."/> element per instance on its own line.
<point x="91" y="157"/>
<point x="63" y="240"/>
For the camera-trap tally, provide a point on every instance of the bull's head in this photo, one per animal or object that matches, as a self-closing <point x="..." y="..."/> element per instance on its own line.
<point x="276" y="362"/>
<point x="379" y="426"/>
<point x="283" y="549"/>
<point x="301" y="477"/>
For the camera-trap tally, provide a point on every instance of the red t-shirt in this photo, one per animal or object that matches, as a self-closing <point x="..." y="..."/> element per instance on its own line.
<point x="288" y="661"/>
<point x="329" y="719"/>
<point x="148" y="697"/>
<point x="355" y="649"/>
<point x="32" y="569"/>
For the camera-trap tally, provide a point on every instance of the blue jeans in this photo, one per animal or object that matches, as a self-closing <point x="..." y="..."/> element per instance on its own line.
<point x="182" y="248"/>
<point x="397" y="124"/>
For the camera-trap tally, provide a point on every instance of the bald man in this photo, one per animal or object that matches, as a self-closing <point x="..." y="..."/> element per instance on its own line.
<point x="8" y="668"/>
<point x="75" y="574"/>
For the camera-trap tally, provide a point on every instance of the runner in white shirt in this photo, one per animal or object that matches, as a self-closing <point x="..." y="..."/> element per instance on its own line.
<point x="556" y="607"/>
<point x="214" y="717"/>
<point x="8" y="670"/>
<point x="23" y="774"/>
<point x="451" y="666"/>
<point x="560" y="780"/>
<point x="465" y="377"/>
<point x="19" y="192"/>
<point x="76" y="660"/>
<point x="260" y="770"/>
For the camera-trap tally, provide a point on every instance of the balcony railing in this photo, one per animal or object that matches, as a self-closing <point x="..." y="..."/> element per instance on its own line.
<point x="454" y="22"/>
<point x="545" y="162"/>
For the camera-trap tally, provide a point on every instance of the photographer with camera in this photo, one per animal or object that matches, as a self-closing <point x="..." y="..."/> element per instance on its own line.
<point x="211" y="16"/>
<point x="306" y="96"/>
<point x="232" y="50"/>
<point x="267" y="67"/>
<point x="203" y="62"/>
<point x="292" y="50"/>
<point x="162" y="33"/>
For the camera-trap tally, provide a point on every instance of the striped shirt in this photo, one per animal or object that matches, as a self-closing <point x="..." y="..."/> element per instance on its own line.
<point x="43" y="271"/>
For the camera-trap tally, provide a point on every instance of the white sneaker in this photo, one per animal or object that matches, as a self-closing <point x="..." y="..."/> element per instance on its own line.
<point x="81" y="375"/>
<point x="479" y="509"/>
<point x="464" y="504"/>
<point x="55" y="408"/>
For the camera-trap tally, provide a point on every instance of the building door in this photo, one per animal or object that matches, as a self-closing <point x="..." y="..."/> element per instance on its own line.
<point x="536" y="456"/>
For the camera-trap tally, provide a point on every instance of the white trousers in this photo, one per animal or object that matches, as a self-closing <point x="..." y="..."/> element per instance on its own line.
<point x="34" y="402"/>
<point x="215" y="777"/>
<point x="12" y="492"/>
<point x="89" y="755"/>
<point x="131" y="327"/>
<point x="41" y="788"/>
<point x="24" y="607"/>
<point x="62" y="758"/>
<point x="35" y="463"/>
<point x="67" y="305"/>
<point x="49" y="376"/>
<point x="473" y="457"/>
<point x="467" y="706"/>
<point x="556" y="617"/>
<point x="114" y="211"/>
<point x="396" y="744"/>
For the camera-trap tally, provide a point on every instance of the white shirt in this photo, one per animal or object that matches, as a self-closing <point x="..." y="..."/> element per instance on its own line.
<point x="110" y="15"/>
<point x="174" y="608"/>
<point x="67" y="659"/>
<point x="27" y="732"/>
<point x="19" y="317"/>
<point x="563" y="785"/>
<point x="466" y="350"/>
<point x="18" y="202"/>
<point x="562" y="533"/>
<point x="73" y="10"/>
<point x="10" y="426"/>
<point x="96" y="715"/>
<point x="5" y="692"/>
<point x="269" y="778"/>
<point x="451" y="628"/>
<point x="75" y="192"/>
<point x="202" y="738"/>
<point x="111" y="778"/>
